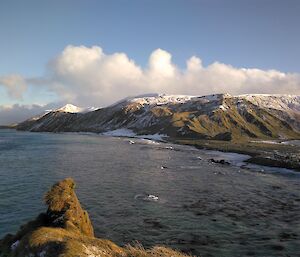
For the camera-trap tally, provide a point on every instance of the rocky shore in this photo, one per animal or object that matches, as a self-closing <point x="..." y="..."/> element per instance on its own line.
<point x="65" y="230"/>
<point x="268" y="154"/>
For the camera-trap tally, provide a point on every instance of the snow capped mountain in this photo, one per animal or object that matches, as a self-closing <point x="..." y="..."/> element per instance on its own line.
<point x="218" y="116"/>
<point x="70" y="108"/>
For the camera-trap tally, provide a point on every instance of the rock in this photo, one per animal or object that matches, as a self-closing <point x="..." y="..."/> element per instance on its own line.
<point x="64" y="209"/>
<point x="219" y="161"/>
<point x="65" y="230"/>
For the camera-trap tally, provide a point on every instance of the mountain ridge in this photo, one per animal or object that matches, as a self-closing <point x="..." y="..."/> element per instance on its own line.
<point x="217" y="117"/>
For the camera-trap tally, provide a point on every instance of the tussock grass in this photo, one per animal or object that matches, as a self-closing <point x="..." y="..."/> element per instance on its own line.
<point x="157" y="251"/>
<point x="66" y="231"/>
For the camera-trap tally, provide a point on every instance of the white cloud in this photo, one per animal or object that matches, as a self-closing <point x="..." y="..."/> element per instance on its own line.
<point x="14" y="84"/>
<point x="87" y="76"/>
<point x="160" y="64"/>
<point x="97" y="79"/>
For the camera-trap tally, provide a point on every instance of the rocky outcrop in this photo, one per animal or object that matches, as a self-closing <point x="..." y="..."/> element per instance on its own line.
<point x="65" y="230"/>
<point x="64" y="209"/>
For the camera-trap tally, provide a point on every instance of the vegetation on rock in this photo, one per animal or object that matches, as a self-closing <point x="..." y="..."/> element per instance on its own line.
<point x="65" y="230"/>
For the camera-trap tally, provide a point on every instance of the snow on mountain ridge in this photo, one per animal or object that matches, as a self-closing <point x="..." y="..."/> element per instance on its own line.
<point x="69" y="108"/>
<point x="161" y="99"/>
<point x="277" y="102"/>
<point x="289" y="103"/>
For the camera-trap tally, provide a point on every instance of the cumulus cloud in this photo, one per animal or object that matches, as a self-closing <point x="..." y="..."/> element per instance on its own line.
<point x="14" y="84"/>
<point x="88" y="76"/>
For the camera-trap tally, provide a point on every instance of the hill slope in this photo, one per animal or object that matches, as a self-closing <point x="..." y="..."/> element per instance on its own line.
<point x="219" y="117"/>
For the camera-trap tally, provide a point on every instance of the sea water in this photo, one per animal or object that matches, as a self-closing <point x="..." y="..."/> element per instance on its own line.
<point x="154" y="193"/>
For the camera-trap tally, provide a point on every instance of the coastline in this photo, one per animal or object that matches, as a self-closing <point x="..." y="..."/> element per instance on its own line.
<point x="270" y="154"/>
<point x="261" y="153"/>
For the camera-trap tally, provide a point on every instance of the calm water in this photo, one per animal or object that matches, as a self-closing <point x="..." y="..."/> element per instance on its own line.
<point x="202" y="208"/>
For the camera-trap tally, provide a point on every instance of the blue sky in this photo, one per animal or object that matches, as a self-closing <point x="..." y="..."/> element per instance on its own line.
<point x="262" y="34"/>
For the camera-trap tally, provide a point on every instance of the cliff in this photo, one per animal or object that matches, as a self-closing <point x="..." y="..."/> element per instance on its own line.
<point x="65" y="230"/>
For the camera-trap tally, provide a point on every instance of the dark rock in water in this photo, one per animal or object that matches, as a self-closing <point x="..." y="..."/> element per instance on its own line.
<point x="154" y="223"/>
<point x="284" y="236"/>
<point x="219" y="161"/>
<point x="66" y="230"/>
<point x="277" y="247"/>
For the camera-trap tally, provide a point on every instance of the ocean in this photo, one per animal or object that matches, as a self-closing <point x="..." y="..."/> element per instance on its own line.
<point x="153" y="192"/>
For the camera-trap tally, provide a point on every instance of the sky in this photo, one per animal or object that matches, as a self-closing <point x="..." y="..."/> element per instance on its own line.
<point x="93" y="52"/>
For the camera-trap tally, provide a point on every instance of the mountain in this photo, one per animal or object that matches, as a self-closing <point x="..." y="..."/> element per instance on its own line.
<point x="70" y="108"/>
<point x="65" y="229"/>
<point x="218" y="116"/>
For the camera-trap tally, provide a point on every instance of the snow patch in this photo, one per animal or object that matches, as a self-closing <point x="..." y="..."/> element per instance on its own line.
<point x="120" y="133"/>
<point x="292" y="142"/>
<point x="129" y="133"/>
<point x="150" y="142"/>
<point x="266" y="142"/>
<point x="156" y="137"/>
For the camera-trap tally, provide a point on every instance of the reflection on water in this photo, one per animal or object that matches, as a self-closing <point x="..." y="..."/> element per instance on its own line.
<point x="201" y="207"/>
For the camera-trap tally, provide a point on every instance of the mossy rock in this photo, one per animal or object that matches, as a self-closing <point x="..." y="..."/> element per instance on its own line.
<point x="65" y="230"/>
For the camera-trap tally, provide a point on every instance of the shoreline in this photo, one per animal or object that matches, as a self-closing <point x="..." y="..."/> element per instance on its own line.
<point x="255" y="158"/>
<point x="262" y="153"/>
